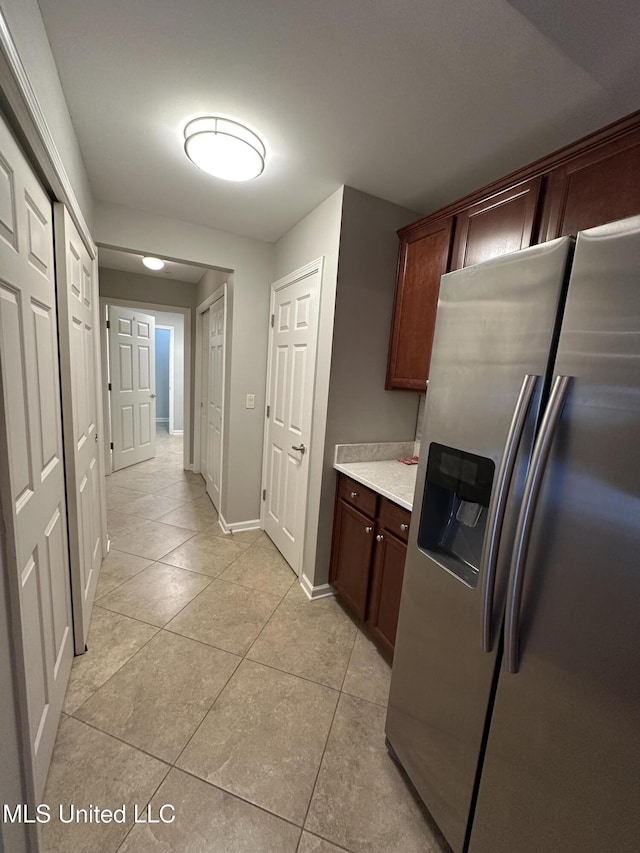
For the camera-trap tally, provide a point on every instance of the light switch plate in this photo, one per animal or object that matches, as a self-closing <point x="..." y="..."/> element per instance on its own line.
<point x="251" y="401"/>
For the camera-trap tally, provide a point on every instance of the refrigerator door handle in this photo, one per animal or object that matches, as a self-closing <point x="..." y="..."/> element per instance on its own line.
<point x="532" y="486"/>
<point x="498" y="503"/>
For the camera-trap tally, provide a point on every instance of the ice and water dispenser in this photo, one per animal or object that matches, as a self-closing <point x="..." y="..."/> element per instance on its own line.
<point x="454" y="509"/>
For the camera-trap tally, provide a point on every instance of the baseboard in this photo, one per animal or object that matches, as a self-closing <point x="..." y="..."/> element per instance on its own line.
<point x="238" y="526"/>
<point x="176" y="432"/>
<point x="323" y="590"/>
<point x="162" y="420"/>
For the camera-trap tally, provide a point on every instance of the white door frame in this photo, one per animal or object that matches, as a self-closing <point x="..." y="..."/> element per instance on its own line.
<point x="171" y="331"/>
<point x="151" y="306"/>
<point x="308" y="269"/>
<point x="200" y="310"/>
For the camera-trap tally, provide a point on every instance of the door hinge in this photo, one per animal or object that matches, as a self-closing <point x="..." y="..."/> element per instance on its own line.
<point x="108" y="325"/>
<point x="268" y="410"/>
<point x="273" y="320"/>
<point x="109" y="386"/>
<point x="264" y="494"/>
<point x="111" y="445"/>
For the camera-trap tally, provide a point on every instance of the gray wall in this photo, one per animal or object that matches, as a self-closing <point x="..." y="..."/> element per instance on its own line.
<point x="359" y="408"/>
<point x="28" y="32"/>
<point x="147" y="288"/>
<point x="252" y="264"/>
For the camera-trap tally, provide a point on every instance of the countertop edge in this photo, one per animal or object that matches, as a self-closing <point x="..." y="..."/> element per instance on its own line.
<point x="345" y="469"/>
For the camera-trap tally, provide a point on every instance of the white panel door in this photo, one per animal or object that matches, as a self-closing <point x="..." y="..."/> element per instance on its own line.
<point x="292" y="358"/>
<point x="132" y="371"/>
<point x="78" y="310"/>
<point x="204" y="392"/>
<point x="215" y="394"/>
<point x="33" y="493"/>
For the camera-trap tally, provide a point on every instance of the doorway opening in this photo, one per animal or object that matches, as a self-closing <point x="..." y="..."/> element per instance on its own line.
<point x="164" y="386"/>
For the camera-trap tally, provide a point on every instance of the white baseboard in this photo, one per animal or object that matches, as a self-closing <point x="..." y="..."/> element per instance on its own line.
<point x="323" y="590"/>
<point x="237" y="526"/>
<point x="177" y="432"/>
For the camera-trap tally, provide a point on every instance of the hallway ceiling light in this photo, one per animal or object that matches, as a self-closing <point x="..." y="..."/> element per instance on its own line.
<point x="225" y="149"/>
<point x="153" y="263"/>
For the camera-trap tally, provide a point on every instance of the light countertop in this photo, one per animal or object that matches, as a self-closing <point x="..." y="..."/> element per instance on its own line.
<point x="388" y="477"/>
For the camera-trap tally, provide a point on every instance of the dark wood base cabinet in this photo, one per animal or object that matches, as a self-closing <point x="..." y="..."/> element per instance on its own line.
<point x="367" y="558"/>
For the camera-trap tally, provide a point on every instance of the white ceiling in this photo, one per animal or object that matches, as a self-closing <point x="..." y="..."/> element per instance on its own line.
<point x="414" y="101"/>
<point x="114" y="259"/>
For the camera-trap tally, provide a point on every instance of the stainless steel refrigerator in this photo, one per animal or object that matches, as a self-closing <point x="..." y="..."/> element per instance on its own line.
<point x="515" y="693"/>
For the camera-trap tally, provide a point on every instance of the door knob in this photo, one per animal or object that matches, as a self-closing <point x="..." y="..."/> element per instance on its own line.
<point x="354" y="495"/>
<point x="152" y="396"/>
<point x="379" y="537"/>
<point x="404" y="527"/>
<point x="368" y="529"/>
<point x="301" y="449"/>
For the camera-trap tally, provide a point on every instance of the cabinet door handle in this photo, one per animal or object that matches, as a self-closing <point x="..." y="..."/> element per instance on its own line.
<point x="368" y="529"/>
<point x="379" y="537"/>
<point x="404" y="527"/>
<point x="354" y="495"/>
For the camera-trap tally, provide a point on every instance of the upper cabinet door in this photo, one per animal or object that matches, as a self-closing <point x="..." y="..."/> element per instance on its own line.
<point x="602" y="185"/>
<point x="423" y="258"/>
<point x="496" y="225"/>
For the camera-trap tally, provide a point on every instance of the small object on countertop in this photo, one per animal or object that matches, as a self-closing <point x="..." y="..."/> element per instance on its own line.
<point x="412" y="461"/>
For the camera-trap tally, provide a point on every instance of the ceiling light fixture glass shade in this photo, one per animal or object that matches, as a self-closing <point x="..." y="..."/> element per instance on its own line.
<point x="153" y="263"/>
<point x="225" y="149"/>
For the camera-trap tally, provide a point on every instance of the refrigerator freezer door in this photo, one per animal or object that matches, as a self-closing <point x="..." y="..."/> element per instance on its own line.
<point x="562" y="767"/>
<point x="496" y="325"/>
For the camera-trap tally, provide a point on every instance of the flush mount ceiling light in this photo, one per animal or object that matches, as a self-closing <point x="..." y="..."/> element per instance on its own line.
<point x="225" y="149"/>
<point x="153" y="263"/>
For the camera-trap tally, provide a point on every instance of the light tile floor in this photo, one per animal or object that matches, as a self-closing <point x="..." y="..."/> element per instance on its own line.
<point x="211" y="684"/>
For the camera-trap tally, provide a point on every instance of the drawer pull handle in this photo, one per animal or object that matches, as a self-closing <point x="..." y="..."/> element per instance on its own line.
<point x="368" y="529"/>
<point x="404" y="527"/>
<point x="379" y="537"/>
<point x="354" y="495"/>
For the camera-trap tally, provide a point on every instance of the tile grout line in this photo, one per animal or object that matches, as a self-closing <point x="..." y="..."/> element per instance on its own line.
<point x="338" y="691"/>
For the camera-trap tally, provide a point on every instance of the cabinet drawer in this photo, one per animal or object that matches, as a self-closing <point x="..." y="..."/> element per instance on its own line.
<point x="394" y="518"/>
<point x="358" y="495"/>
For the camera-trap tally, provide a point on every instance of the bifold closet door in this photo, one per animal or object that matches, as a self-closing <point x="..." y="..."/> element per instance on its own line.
<point x="32" y="473"/>
<point x="215" y="377"/>
<point x="77" y="298"/>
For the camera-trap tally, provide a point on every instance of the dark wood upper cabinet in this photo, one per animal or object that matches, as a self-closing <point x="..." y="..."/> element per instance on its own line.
<point x="423" y="258"/>
<point x="496" y="225"/>
<point x="600" y="186"/>
<point x="588" y="183"/>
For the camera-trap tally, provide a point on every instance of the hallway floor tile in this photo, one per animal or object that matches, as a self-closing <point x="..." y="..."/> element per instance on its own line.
<point x="213" y="685"/>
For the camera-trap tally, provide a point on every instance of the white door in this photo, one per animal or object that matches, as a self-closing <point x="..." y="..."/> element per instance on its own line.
<point x="292" y="359"/>
<point x="31" y="455"/>
<point x="215" y="393"/>
<point x="77" y="308"/>
<point x="204" y="391"/>
<point x="132" y="372"/>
